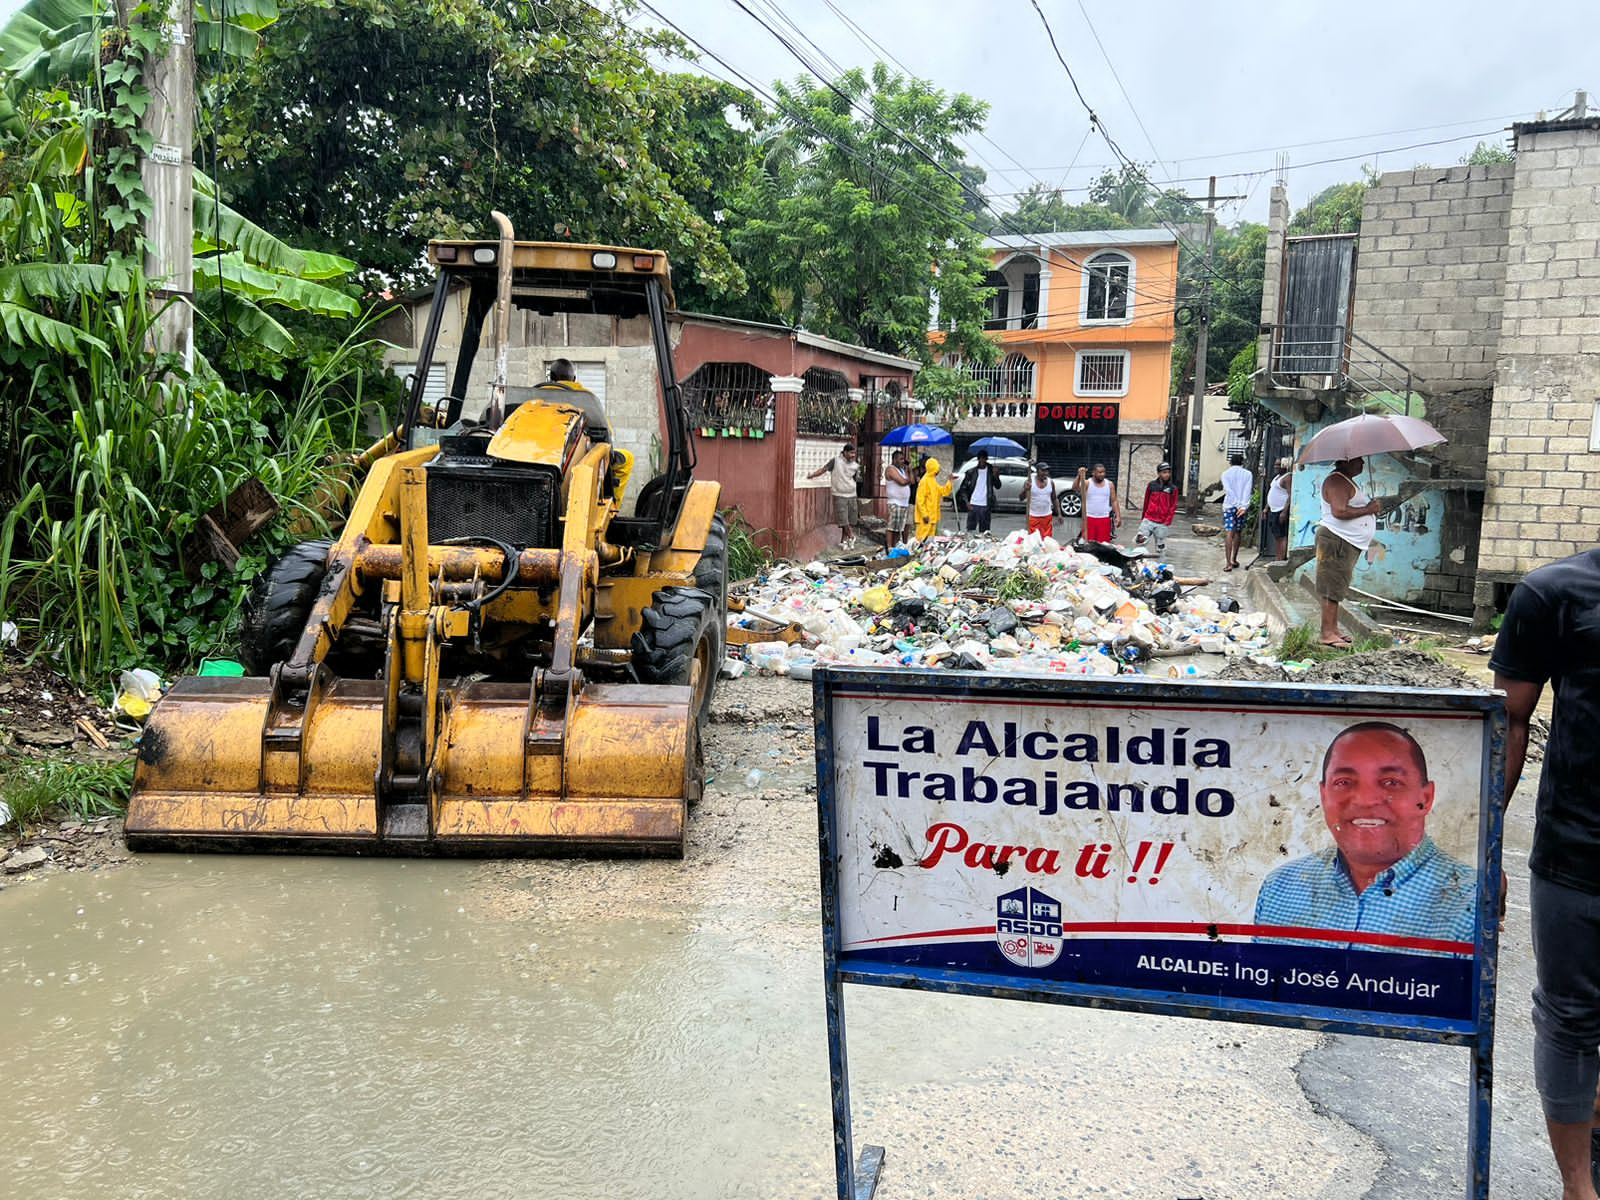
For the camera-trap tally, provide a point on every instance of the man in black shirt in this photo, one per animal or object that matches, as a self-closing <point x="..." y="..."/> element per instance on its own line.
<point x="1551" y="633"/>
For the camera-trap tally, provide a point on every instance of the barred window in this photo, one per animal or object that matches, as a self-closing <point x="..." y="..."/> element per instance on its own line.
<point x="1102" y="373"/>
<point x="1108" y="278"/>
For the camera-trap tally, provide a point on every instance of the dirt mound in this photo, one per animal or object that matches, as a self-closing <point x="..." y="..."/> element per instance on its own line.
<point x="1377" y="668"/>
<point x="1391" y="668"/>
<point x="760" y="700"/>
<point x="1243" y="670"/>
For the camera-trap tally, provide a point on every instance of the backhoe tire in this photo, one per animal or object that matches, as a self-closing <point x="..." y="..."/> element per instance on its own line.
<point x="677" y="631"/>
<point x="279" y="605"/>
<point x="711" y="575"/>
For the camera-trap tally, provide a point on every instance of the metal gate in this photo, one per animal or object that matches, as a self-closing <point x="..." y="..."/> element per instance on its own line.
<point x="1314" y="314"/>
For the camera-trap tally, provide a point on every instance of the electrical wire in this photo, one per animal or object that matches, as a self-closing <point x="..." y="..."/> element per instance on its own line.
<point x="1353" y="137"/>
<point x="1149" y="141"/>
<point x="905" y="139"/>
<point x="1157" y="302"/>
<point x="873" y="46"/>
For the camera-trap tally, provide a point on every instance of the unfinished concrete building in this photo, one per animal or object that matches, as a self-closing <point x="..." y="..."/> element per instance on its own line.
<point x="1471" y="298"/>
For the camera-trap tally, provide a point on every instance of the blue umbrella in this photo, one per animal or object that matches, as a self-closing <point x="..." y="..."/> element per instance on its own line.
<point x="917" y="435"/>
<point x="1000" y="445"/>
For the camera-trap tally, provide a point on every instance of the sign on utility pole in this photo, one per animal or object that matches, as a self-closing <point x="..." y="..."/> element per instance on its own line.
<point x="167" y="174"/>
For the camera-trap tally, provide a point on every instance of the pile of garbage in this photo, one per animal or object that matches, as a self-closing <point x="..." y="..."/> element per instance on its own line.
<point x="1021" y="605"/>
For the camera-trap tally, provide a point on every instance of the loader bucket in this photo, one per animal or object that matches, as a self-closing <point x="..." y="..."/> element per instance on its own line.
<point x="613" y="776"/>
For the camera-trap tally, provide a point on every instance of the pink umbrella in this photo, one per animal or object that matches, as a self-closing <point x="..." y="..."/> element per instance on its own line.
<point x="1368" y="434"/>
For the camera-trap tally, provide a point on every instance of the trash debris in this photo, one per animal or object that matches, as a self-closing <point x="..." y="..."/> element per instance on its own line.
<point x="137" y="693"/>
<point x="8" y="633"/>
<point x="753" y="780"/>
<point x="1023" y="604"/>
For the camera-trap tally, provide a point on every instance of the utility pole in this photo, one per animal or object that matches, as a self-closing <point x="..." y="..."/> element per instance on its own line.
<point x="1191" y="452"/>
<point x="167" y="173"/>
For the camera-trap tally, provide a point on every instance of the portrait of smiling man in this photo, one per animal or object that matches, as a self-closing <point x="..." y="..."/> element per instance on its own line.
<point x="1383" y="874"/>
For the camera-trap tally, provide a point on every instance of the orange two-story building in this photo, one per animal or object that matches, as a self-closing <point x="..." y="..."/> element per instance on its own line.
<point x="1085" y="325"/>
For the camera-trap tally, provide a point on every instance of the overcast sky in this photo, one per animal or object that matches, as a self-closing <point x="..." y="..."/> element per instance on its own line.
<point x="1208" y="80"/>
<point x="1220" y="87"/>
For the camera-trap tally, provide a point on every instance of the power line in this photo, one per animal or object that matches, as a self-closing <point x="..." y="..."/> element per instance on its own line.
<point x="1319" y="162"/>
<point x="1354" y="137"/>
<point x="1149" y="141"/>
<point x="873" y="46"/>
<point x="905" y="139"/>
<point x="1161" y="301"/>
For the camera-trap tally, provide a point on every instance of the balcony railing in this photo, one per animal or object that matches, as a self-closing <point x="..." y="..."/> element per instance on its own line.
<point x="1347" y="361"/>
<point x="1010" y="378"/>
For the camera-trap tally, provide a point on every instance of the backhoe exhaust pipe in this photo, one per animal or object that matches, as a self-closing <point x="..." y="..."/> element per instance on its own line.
<point x="502" y="321"/>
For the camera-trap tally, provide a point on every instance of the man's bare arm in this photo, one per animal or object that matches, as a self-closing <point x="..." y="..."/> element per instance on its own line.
<point x="1339" y="501"/>
<point x="1521" y="699"/>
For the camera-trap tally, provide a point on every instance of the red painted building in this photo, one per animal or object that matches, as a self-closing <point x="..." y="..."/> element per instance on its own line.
<point x="768" y="404"/>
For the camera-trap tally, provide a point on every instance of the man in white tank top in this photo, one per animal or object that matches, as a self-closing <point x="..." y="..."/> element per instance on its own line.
<point x="1099" y="504"/>
<point x="1041" y="502"/>
<point x="897" y="485"/>
<point x="1349" y="519"/>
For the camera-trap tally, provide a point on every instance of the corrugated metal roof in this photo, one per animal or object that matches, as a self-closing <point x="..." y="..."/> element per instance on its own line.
<point x="1084" y="238"/>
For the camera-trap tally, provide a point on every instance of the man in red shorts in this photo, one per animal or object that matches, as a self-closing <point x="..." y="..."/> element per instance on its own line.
<point x="1099" y="504"/>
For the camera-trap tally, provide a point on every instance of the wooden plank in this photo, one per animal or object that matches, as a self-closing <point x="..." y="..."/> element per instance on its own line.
<point x="246" y="512"/>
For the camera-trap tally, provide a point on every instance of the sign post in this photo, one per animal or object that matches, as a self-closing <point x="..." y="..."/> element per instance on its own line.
<point x="1324" y="858"/>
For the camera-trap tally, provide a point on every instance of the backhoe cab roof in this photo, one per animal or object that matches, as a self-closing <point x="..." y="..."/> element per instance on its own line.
<point x="560" y="271"/>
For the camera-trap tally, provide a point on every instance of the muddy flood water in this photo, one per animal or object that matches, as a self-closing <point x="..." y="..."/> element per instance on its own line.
<point x="253" y="1027"/>
<point x="244" y="1027"/>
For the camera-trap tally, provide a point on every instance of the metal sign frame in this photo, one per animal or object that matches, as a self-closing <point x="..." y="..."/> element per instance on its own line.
<point x="857" y="1180"/>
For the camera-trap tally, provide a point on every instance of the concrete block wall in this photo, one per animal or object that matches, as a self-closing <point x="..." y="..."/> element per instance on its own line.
<point x="1543" y="497"/>
<point x="1431" y="268"/>
<point x="1463" y="417"/>
<point x="1272" y="271"/>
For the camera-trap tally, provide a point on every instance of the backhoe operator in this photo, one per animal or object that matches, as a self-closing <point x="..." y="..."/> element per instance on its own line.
<point x="563" y="388"/>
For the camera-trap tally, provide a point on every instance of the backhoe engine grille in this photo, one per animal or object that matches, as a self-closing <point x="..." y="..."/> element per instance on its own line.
<point x="477" y="497"/>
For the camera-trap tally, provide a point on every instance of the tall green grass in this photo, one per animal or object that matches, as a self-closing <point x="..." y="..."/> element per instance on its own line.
<point x="38" y="789"/>
<point x="1303" y="643"/>
<point x="119" y="457"/>
<point x="746" y="556"/>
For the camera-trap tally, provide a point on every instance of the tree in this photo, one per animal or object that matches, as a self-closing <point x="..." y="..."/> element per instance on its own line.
<point x="1043" y="209"/>
<point x="366" y="127"/>
<point x="1237" y="270"/>
<point x="1335" y="209"/>
<point x="863" y="232"/>
<point x="1488" y="154"/>
<point x="1129" y="192"/>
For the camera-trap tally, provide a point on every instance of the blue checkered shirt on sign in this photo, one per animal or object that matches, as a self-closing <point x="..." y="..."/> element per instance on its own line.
<point x="1427" y="894"/>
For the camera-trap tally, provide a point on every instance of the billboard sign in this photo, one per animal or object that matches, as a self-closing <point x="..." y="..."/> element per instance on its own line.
<point x="1076" y="419"/>
<point x="1324" y="857"/>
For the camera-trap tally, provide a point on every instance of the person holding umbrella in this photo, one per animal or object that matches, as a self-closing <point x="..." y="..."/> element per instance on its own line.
<point x="897" y="482"/>
<point x="1349" y="520"/>
<point x="1349" y="515"/>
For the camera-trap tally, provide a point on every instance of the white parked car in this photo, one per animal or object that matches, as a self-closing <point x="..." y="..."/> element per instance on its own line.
<point x="1013" y="491"/>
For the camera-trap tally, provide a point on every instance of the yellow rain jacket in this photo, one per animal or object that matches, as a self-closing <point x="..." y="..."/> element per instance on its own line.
<point x="930" y="497"/>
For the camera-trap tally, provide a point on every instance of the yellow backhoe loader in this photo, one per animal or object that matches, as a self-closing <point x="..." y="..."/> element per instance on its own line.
<point x="491" y="658"/>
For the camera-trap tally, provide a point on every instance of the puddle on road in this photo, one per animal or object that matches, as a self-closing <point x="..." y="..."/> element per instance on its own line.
<point x="274" y="1027"/>
<point x="258" y="1027"/>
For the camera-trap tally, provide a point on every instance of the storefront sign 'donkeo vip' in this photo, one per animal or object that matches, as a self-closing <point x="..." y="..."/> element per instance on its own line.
<point x="1078" y="419"/>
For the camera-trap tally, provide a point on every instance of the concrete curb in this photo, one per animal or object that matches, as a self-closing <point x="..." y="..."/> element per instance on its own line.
<point x="1292" y="601"/>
